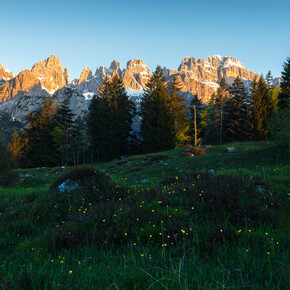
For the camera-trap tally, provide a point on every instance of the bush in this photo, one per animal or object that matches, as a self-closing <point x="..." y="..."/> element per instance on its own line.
<point x="194" y="151"/>
<point x="85" y="176"/>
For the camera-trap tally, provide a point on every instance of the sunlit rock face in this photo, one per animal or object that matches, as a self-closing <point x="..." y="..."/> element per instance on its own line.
<point x="195" y="76"/>
<point x="5" y="75"/>
<point x="21" y="83"/>
<point x="50" y="73"/>
<point x="136" y="75"/>
<point x="201" y="78"/>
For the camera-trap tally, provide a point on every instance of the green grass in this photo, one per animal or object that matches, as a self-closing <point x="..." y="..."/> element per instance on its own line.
<point x="135" y="233"/>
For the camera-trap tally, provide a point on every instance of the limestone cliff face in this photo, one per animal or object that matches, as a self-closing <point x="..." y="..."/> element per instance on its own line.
<point x="136" y="75"/>
<point x="33" y="100"/>
<point x="77" y="102"/>
<point x="22" y="83"/>
<point x="66" y="76"/>
<point x="86" y="75"/>
<point x="196" y="76"/>
<point x="202" y="77"/>
<point x="5" y="75"/>
<point x="50" y="73"/>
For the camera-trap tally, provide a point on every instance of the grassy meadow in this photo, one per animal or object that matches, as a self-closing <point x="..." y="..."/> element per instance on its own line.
<point x="155" y="221"/>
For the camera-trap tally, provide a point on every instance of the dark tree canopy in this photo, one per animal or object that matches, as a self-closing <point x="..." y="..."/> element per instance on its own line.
<point x="110" y="120"/>
<point x="158" y="126"/>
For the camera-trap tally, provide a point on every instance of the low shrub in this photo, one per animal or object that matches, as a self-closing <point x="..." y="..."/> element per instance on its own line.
<point x="86" y="176"/>
<point x="195" y="151"/>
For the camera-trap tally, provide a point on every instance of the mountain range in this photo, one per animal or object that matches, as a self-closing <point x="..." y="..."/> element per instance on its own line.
<point x="27" y="90"/>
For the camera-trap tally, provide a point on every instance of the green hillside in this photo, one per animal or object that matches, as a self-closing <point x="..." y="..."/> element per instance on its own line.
<point x="158" y="221"/>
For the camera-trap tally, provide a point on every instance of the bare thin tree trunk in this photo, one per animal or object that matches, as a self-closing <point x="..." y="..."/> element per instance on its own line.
<point x="195" y="127"/>
<point x="221" y="128"/>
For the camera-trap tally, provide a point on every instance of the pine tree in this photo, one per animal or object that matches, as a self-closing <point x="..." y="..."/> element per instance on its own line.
<point x="179" y="112"/>
<point x="158" y="124"/>
<point x="207" y="122"/>
<point x="261" y="109"/>
<point x="237" y="107"/>
<point x="110" y="119"/>
<point x="62" y="123"/>
<point x="222" y="95"/>
<point x="269" y="80"/>
<point x="39" y="149"/>
<point x="80" y="141"/>
<point x="284" y="96"/>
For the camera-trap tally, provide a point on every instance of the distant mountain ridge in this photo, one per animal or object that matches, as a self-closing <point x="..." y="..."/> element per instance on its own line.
<point x="196" y="76"/>
<point x="27" y="91"/>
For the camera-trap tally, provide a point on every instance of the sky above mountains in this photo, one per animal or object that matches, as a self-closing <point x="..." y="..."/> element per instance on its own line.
<point x="93" y="33"/>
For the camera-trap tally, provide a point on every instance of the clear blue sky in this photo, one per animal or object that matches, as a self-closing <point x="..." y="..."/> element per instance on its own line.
<point x="161" y="32"/>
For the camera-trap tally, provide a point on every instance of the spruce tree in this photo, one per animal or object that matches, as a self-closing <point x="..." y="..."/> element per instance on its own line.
<point x="39" y="149"/>
<point x="237" y="107"/>
<point x="110" y="120"/>
<point x="179" y="112"/>
<point x="80" y="141"/>
<point x="222" y="95"/>
<point x="207" y="121"/>
<point x="158" y="128"/>
<point x="62" y="125"/>
<point x="284" y="96"/>
<point x="269" y="80"/>
<point x="261" y="109"/>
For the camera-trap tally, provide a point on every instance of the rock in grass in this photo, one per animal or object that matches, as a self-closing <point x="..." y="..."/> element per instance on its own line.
<point x="231" y="149"/>
<point x="68" y="185"/>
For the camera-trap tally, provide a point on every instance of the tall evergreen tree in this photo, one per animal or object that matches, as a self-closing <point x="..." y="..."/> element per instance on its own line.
<point x="269" y="80"/>
<point x="158" y="128"/>
<point x="110" y="119"/>
<point x="222" y="95"/>
<point x="63" y="121"/>
<point x="261" y="109"/>
<point x="237" y="107"/>
<point x="39" y="150"/>
<point x="284" y="96"/>
<point x="80" y="141"/>
<point x="179" y="112"/>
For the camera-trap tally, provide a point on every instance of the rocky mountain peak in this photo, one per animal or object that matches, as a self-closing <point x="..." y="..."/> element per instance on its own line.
<point x="85" y="75"/>
<point x="66" y="76"/>
<point x="22" y="83"/>
<point x="136" y="75"/>
<point x="50" y="73"/>
<point x="5" y="75"/>
<point x="188" y="64"/>
<point x="115" y="66"/>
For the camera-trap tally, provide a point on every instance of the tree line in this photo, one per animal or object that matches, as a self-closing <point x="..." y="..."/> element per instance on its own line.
<point x="55" y="136"/>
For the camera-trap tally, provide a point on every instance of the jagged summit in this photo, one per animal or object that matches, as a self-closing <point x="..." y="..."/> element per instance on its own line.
<point x="197" y="76"/>
<point x="5" y="74"/>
